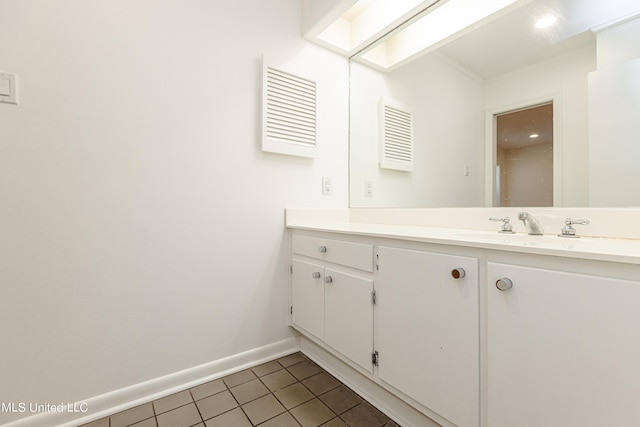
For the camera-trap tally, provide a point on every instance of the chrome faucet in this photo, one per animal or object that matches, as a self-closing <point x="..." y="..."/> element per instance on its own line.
<point x="531" y="224"/>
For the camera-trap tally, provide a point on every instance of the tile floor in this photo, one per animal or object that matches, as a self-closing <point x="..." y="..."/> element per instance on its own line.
<point x="290" y="391"/>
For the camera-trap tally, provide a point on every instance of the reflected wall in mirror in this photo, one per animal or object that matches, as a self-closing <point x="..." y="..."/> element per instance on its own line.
<point x="524" y="157"/>
<point x="591" y="73"/>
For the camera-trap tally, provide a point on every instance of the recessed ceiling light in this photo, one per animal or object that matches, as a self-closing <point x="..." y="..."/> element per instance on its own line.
<point x="534" y="135"/>
<point x="546" y="21"/>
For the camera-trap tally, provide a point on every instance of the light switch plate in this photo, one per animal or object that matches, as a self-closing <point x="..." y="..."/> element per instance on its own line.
<point x="368" y="189"/>
<point x="327" y="185"/>
<point x="8" y="88"/>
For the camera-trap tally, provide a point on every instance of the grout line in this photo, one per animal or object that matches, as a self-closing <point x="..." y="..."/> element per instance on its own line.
<point x="314" y="396"/>
<point x="193" y="400"/>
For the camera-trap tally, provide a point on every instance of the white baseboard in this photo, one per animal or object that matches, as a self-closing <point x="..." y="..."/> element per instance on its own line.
<point x="125" y="398"/>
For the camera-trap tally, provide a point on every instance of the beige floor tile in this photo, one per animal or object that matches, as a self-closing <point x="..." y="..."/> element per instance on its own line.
<point x="184" y="416"/>
<point x="312" y="413"/>
<point x="249" y="391"/>
<point x="292" y="359"/>
<point x="132" y="416"/>
<point x="234" y="418"/>
<point x="266" y="368"/>
<point x="304" y="369"/>
<point x="263" y="409"/>
<point x="172" y="402"/>
<point x="102" y="422"/>
<point x="321" y="383"/>
<point x="216" y="404"/>
<point x="265" y="393"/>
<point x="293" y="395"/>
<point x="239" y="378"/>
<point x="282" y="420"/>
<point x="278" y="379"/>
<point x="336" y="422"/>
<point x="340" y="399"/>
<point x="207" y="389"/>
<point x="364" y="415"/>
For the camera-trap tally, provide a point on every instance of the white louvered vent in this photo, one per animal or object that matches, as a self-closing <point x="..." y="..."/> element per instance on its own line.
<point x="289" y="124"/>
<point x="396" y="136"/>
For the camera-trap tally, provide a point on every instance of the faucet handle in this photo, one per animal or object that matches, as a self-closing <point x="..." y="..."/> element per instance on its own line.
<point x="506" y="226"/>
<point x="570" y="221"/>
<point x="568" y="230"/>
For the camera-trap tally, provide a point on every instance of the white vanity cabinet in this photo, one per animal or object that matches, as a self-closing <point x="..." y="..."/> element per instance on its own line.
<point x="428" y="330"/>
<point x="332" y="294"/>
<point x="474" y="332"/>
<point x="563" y="349"/>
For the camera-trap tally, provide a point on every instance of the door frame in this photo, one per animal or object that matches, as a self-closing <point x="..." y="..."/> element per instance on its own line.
<point x="491" y="114"/>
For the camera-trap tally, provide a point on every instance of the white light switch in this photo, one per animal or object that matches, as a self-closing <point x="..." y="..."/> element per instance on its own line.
<point x="368" y="189"/>
<point x="8" y="88"/>
<point x="5" y="86"/>
<point x="327" y="186"/>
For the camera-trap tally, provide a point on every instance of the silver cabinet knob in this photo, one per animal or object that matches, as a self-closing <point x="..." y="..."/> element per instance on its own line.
<point x="328" y="279"/>
<point x="504" y="284"/>
<point x="316" y="275"/>
<point x="458" y="273"/>
<point x="322" y="249"/>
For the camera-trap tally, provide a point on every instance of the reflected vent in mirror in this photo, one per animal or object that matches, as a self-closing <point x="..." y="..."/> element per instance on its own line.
<point x="288" y="113"/>
<point x="396" y="136"/>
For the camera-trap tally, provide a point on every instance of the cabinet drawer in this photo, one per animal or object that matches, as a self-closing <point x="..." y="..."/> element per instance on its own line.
<point x="350" y="254"/>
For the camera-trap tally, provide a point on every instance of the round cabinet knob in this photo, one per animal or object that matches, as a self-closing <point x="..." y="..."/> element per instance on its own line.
<point x="316" y="275"/>
<point x="458" y="273"/>
<point x="322" y="249"/>
<point x="328" y="279"/>
<point x="504" y="284"/>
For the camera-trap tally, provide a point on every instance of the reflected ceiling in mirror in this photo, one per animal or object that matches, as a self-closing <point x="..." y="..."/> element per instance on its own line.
<point x="506" y="40"/>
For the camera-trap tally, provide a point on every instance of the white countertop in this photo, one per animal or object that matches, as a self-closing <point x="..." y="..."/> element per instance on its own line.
<point x="592" y="248"/>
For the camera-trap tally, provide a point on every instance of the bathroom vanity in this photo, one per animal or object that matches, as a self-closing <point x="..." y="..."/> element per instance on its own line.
<point x="468" y="326"/>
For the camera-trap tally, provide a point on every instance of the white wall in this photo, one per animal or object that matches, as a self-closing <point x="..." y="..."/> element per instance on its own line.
<point x="614" y="108"/>
<point x="448" y="128"/>
<point x="619" y="43"/>
<point x="141" y="228"/>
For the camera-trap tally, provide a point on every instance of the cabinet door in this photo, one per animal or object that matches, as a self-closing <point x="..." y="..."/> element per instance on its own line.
<point x="307" y="295"/>
<point x="349" y="316"/>
<point x="563" y="350"/>
<point x="428" y="331"/>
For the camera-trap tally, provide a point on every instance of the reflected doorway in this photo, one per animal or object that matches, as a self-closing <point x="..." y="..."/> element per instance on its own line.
<point x="524" y="157"/>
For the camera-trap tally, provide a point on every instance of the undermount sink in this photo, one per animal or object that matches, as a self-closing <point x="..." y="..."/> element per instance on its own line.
<point x="508" y="237"/>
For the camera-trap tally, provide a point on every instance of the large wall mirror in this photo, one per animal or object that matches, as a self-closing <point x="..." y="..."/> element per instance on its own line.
<point x="580" y="73"/>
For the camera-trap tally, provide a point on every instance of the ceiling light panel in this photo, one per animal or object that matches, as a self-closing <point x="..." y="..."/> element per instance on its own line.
<point x="364" y="22"/>
<point x="436" y="27"/>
